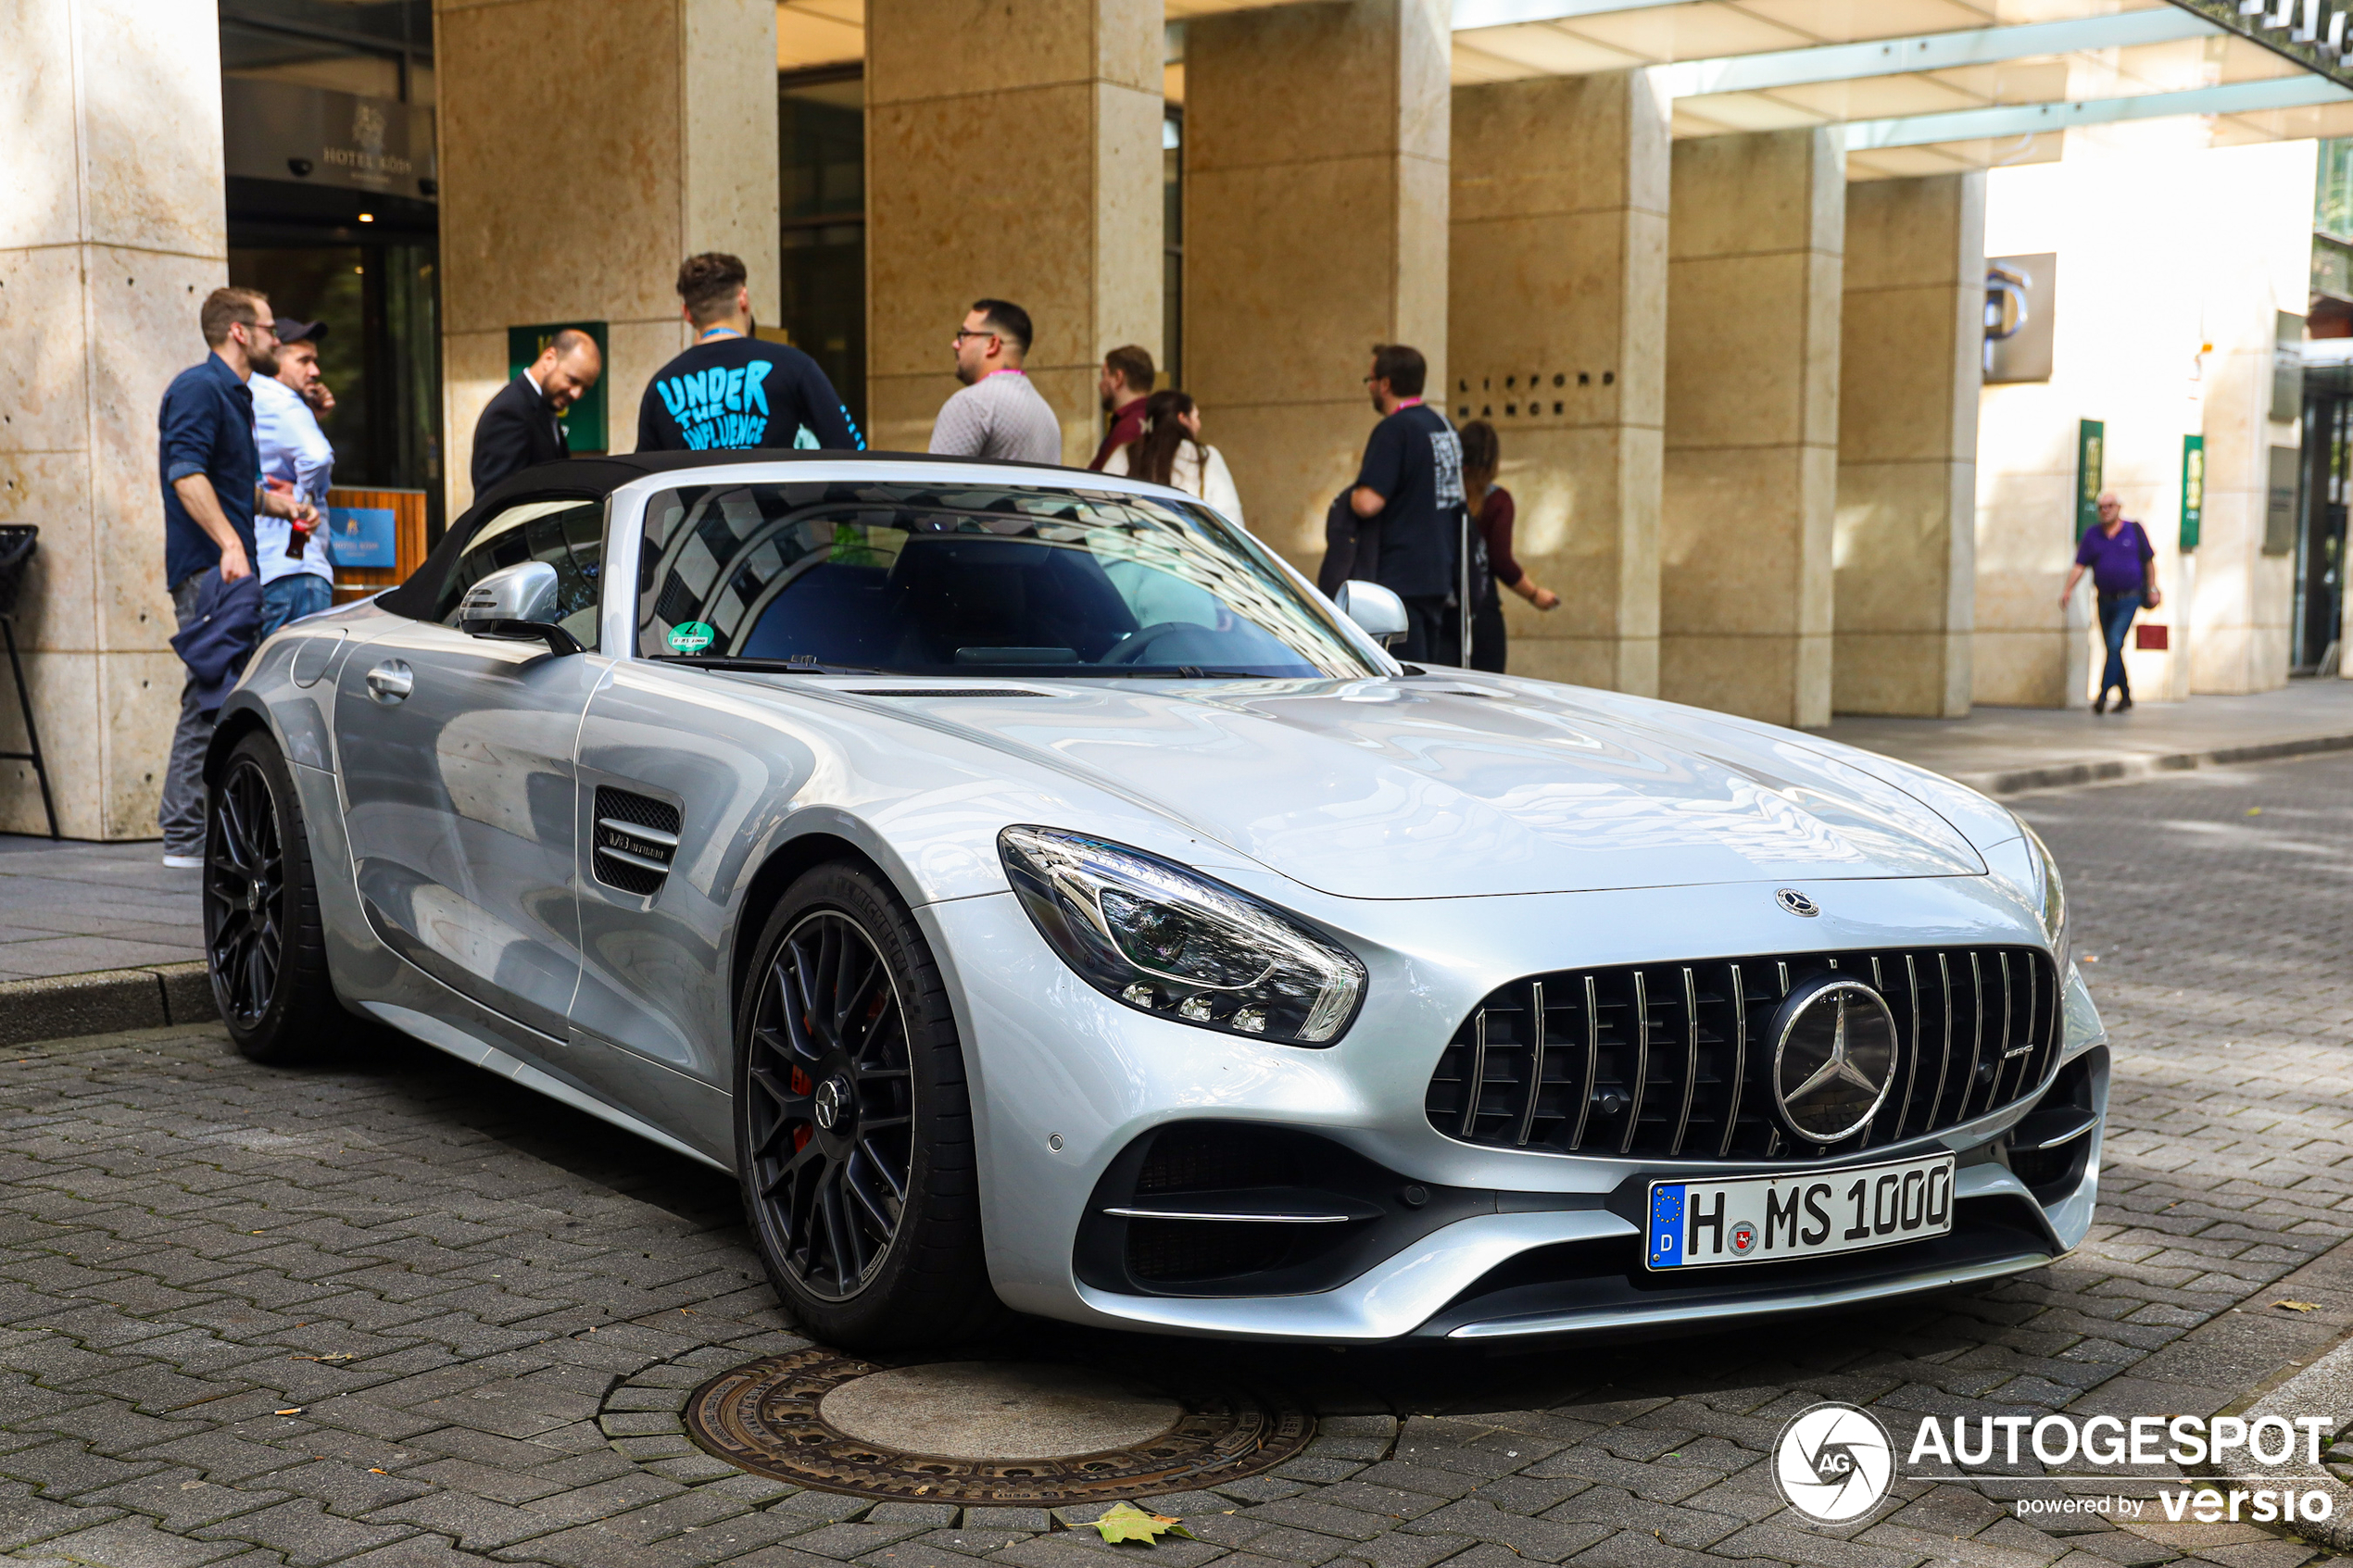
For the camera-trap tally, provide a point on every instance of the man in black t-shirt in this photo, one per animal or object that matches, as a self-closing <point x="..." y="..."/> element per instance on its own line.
<point x="1411" y="486"/>
<point x="731" y="390"/>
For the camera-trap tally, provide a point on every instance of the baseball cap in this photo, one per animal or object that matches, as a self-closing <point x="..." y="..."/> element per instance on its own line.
<point x="292" y="330"/>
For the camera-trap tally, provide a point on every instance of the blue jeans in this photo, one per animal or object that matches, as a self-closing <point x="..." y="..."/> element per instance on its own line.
<point x="2116" y="618"/>
<point x="291" y="597"/>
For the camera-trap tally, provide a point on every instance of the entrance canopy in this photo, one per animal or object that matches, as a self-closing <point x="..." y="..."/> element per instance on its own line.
<point x="1922" y="86"/>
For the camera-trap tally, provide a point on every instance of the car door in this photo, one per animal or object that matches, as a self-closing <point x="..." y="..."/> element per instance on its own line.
<point x="675" y="768"/>
<point x="455" y="755"/>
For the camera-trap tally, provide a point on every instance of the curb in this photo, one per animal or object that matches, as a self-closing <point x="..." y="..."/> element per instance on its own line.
<point x="55" y="1006"/>
<point x="2323" y="1388"/>
<point x="2129" y="769"/>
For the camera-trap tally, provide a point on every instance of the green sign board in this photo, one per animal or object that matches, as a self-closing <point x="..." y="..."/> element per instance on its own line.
<point x="2091" y="444"/>
<point x="585" y="424"/>
<point x="2193" y="488"/>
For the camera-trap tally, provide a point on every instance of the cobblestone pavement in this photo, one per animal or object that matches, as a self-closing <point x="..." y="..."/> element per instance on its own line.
<point x="398" y="1313"/>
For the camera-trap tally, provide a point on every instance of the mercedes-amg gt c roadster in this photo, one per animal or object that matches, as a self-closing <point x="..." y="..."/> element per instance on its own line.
<point x="1041" y="898"/>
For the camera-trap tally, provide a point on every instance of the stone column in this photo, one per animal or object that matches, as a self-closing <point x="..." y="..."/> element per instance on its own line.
<point x="1013" y="152"/>
<point x="586" y="150"/>
<point x="111" y="233"/>
<point x="1756" y="224"/>
<point x="1316" y="169"/>
<point x="1911" y="336"/>
<point x="1556" y="335"/>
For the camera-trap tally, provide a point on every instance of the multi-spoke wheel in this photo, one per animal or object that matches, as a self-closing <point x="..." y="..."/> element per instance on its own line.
<point x="245" y="889"/>
<point x="853" y="1122"/>
<point x="262" y="941"/>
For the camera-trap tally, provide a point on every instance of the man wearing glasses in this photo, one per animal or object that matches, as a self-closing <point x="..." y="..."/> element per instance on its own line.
<point x="998" y="414"/>
<point x="211" y="488"/>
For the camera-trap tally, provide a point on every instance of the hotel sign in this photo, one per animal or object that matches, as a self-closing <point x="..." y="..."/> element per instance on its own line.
<point x="2311" y="32"/>
<point x="278" y="130"/>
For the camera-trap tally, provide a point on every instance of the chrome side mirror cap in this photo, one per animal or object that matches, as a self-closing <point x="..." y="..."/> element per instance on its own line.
<point x="517" y="603"/>
<point x="1376" y="609"/>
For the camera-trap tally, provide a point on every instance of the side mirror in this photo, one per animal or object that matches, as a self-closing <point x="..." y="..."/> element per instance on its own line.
<point x="517" y="603"/>
<point x="1381" y="612"/>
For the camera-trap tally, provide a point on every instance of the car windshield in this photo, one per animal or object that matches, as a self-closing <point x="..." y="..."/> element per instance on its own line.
<point x="960" y="580"/>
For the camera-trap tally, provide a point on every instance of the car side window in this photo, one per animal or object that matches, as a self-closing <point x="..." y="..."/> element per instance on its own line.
<point x="568" y="534"/>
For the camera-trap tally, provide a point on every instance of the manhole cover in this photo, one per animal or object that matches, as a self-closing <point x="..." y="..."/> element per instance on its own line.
<point x="989" y="1432"/>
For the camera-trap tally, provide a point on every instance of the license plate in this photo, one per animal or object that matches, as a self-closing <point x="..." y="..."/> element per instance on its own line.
<point x="1768" y="1218"/>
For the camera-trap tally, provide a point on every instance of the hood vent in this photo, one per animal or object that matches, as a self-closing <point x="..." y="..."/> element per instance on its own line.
<point x="636" y="838"/>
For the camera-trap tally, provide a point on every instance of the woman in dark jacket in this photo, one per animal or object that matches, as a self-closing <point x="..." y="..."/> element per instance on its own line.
<point x="1491" y="509"/>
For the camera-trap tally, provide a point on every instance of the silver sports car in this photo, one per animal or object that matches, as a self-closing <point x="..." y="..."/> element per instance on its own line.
<point x="1040" y="898"/>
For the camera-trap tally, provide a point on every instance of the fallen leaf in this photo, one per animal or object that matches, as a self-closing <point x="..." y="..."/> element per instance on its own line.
<point x="2299" y="1306"/>
<point x="1126" y="1522"/>
<point x="2254" y="810"/>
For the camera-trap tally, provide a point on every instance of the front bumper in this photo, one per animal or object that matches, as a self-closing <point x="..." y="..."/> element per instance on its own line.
<point x="1067" y="1084"/>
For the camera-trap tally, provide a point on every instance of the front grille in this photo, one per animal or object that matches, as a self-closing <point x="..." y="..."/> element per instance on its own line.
<point x="1675" y="1060"/>
<point x="636" y="838"/>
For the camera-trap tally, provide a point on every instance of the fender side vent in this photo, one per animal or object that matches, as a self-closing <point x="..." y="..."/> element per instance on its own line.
<point x="636" y="838"/>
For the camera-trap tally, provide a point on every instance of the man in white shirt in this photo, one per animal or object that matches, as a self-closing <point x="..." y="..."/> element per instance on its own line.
<point x="998" y="414"/>
<point x="295" y="458"/>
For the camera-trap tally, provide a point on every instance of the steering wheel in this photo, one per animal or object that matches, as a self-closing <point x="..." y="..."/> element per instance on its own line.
<point x="1131" y="651"/>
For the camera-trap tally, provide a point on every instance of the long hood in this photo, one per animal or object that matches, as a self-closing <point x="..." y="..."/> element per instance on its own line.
<point x="1451" y="788"/>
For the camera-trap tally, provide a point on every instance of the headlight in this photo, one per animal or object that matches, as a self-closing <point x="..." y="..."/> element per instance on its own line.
<point x="2050" y="895"/>
<point x="1147" y="932"/>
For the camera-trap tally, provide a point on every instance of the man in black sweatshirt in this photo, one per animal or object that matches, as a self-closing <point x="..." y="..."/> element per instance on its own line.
<point x="731" y="390"/>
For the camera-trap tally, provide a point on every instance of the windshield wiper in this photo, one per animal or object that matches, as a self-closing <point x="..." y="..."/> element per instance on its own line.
<point x="796" y="666"/>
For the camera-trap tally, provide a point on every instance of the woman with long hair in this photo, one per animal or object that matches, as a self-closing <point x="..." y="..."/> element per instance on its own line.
<point x="1492" y="511"/>
<point x="1171" y="452"/>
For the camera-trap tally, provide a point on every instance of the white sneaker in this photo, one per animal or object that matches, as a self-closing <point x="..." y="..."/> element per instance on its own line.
<point x="184" y="862"/>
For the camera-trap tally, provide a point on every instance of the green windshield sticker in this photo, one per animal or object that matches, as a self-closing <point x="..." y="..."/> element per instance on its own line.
<point x="691" y="636"/>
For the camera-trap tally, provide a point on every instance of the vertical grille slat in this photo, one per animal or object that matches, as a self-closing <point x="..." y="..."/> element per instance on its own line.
<point x="1740" y="1064"/>
<point x="1535" y="1060"/>
<point x="1524" y="1072"/>
<point x="1641" y="1061"/>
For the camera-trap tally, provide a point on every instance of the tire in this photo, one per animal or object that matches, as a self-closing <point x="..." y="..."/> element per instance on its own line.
<point x="263" y="943"/>
<point x="853" y="1124"/>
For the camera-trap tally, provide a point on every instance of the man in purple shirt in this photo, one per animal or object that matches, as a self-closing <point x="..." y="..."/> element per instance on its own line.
<point x="2123" y="566"/>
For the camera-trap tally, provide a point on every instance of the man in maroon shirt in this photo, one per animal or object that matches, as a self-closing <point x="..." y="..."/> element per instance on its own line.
<point x="1127" y="385"/>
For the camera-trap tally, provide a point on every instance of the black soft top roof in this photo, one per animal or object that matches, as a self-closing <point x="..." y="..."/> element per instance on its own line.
<point x="595" y="477"/>
<point x="602" y="476"/>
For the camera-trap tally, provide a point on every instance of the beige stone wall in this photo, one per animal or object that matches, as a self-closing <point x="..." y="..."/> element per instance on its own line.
<point x="1043" y="189"/>
<point x="586" y="150"/>
<point x="1905" y="548"/>
<point x="1316" y="196"/>
<point x="1755" y="229"/>
<point x="2257" y="253"/>
<point x="1556" y="335"/>
<point x="111" y="233"/>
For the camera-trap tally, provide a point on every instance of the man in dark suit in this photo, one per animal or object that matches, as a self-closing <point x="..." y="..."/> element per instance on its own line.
<point x="520" y="427"/>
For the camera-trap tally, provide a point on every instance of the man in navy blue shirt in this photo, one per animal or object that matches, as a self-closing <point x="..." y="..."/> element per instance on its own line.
<point x="1411" y="484"/>
<point x="211" y="485"/>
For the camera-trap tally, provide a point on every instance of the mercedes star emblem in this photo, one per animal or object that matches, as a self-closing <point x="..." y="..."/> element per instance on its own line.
<point x="829" y="1102"/>
<point x="1796" y="903"/>
<point x="1833" y="1058"/>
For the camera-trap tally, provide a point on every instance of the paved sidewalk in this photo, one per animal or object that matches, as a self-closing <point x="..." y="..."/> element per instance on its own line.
<point x="2008" y="750"/>
<point x="72" y="908"/>
<point x="398" y="1313"/>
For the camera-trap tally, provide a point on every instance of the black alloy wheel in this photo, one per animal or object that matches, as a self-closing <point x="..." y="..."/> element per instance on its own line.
<point x="835" y="1146"/>
<point x="854" y="1122"/>
<point x="245" y="890"/>
<point x="264" y="945"/>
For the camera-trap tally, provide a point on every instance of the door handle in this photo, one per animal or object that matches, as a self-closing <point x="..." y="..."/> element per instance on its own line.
<point x="391" y="681"/>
